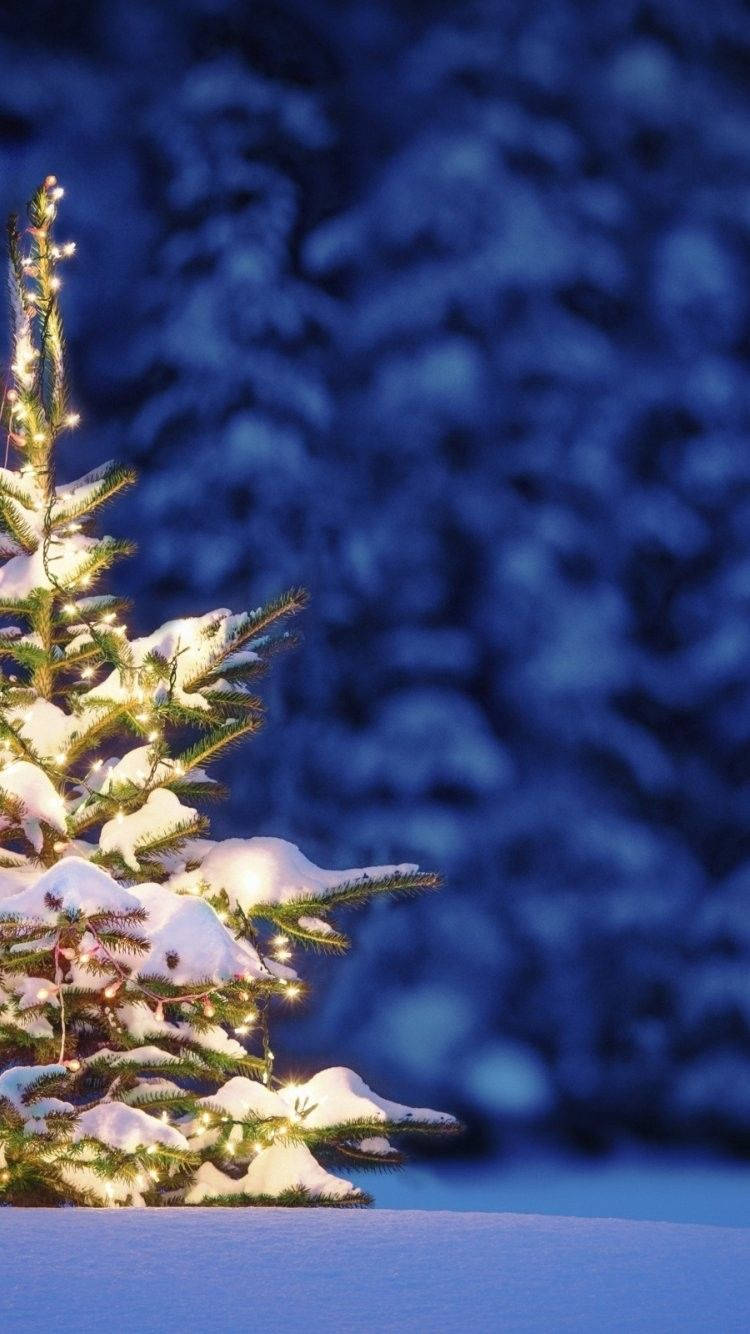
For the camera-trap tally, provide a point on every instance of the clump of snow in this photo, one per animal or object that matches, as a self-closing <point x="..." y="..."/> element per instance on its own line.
<point x="136" y="766"/>
<point x="339" y="1095"/>
<point x="148" y="1055"/>
<point x="15" y="878"/>
<point x="277" y="1169"/>
<point x="269" y="870"/>
<point x="188" y="942"/>
<point x="77" y="886"/>
<point x="315" y="924"/>
<point x="79" y="492"/>
<point x="126" y="1128"/>
<point x="161" y="813"/>
<point x="283" y="1167"/>
<point x="17" y="1086"/>
<point x="244" y="1099"/>
<point x="23" y="573"/>
<point x="115" y="1190"/>
<point x="26" y="990"/>
<point x="192" y="644"/>
<point x="141" y="1023"/>
<point x="44" y="726"/>
<point x="376" y="1145"/>
<point x="39" y="800"/>
<point x="16" y="1083"/>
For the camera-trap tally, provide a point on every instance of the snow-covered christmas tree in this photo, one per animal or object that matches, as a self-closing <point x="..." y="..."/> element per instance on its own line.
<point x="139" y="960"/>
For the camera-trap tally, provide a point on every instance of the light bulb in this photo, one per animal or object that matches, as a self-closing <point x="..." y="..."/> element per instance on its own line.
<point x="73" y="1065"/>
<point x="43" y="993"/>
<point x="96" y="765"/>
<point x="57" y="192"/>
<point x="72" y="419"/>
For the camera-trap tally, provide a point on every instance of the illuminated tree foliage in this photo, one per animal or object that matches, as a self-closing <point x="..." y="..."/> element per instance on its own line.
<point x="140" y="961"/>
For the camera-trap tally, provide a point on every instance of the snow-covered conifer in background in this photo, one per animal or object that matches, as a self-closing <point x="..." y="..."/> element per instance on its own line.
<point x="140" y="960"/>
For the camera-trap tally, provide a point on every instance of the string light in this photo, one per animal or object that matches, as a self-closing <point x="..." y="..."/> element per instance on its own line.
<point x="96" y="766"/>
<point x="72" y="419"/>
<point x="55" y="284"/>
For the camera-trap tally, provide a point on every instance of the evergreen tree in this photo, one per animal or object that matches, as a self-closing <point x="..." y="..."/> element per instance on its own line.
<point x="140" y="960"/>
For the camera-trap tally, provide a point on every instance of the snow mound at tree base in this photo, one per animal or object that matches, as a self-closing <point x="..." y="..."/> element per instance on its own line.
<point x="207" y="1270"/>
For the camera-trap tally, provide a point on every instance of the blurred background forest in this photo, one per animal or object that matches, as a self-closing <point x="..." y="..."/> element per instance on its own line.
<point x="441" y="309"/>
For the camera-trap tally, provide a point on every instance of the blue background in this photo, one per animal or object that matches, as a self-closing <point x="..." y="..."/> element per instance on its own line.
<point x="442" y="310"/>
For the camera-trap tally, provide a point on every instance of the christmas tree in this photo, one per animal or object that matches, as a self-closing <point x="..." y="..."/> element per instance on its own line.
<point x="140" y="961"/>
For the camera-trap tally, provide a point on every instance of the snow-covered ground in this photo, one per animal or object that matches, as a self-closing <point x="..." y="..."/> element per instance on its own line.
<point x="224" y="1270"/>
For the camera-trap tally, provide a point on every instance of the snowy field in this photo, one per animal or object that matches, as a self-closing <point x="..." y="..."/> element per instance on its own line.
<point x="221" y="1270"/>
